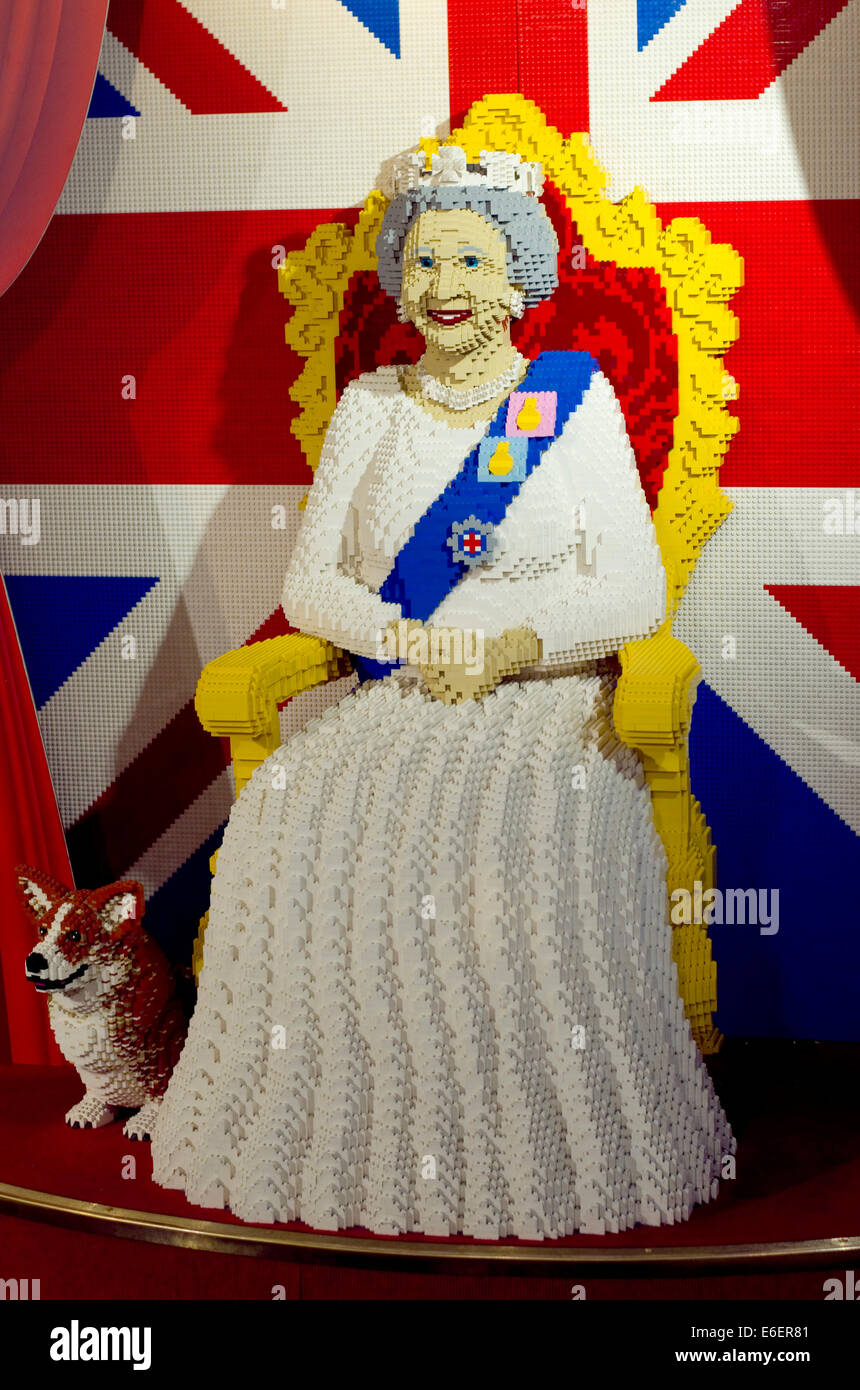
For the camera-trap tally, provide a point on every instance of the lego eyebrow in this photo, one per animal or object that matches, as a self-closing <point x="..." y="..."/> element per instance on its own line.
<point x="464" y="250"/>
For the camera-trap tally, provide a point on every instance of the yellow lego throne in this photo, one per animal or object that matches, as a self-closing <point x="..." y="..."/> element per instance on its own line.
<point x="239" y="694"/>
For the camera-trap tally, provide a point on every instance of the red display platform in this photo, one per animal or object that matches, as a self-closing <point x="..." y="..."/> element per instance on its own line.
<point x="792" y="1213"/>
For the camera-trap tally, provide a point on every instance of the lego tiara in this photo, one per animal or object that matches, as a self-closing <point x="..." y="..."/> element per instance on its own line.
<point x="449" y="167"/>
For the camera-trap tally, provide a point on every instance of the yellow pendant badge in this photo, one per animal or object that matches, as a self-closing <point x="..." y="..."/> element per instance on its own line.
<point x="502" y="460"/>
<point x="532" y="413"/>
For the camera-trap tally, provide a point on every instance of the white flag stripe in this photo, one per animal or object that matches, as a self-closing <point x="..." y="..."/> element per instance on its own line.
<point x="351" y="104"/>
<point x="842" y="747"/>
<point x="93" y="528"/>
<point x="220" y="565"/>
<point x="799" y="139"/>
<point x="186" y="834"/>
<point x="214" y="545"/>
<point x="107" y="712"/>
<point x="290" y="48"/>
<point x="136" y="83"/>
<point x="782" y="682"/>
<point x="672" y="45"/>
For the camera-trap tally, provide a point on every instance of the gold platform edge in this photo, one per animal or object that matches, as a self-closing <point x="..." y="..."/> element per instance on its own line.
<point x="94" y="1218"/>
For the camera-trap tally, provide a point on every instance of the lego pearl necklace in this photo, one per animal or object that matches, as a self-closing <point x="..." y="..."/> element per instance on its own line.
<point x="436" y="390"/>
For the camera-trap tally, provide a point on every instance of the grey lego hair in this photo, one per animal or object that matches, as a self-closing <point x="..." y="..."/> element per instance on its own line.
<point x="522" y="220"/>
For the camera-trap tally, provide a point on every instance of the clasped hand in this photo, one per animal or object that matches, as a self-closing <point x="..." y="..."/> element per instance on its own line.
<point x="455" y="681"/>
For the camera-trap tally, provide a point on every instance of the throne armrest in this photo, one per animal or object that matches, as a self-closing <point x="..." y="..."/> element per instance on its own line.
<point x="653" y="700"/>
<point x="653" y="703"/>
<point x="239" y="693"/>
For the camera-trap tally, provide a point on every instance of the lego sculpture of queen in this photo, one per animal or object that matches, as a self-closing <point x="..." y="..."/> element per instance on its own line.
<point x="438" y="992"/>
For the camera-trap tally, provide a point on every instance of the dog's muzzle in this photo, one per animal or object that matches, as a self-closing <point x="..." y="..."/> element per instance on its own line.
<point x="35" y="965"/>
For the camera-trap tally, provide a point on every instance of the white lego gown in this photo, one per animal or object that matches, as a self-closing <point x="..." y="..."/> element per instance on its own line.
<point x="438" y="992"/>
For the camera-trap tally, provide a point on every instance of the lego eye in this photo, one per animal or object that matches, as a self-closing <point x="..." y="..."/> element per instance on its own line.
<point x="426" y="262"/>
<point x="471" y="261"/>
<point x="74" y="936"/>
<point x="43" y="931"/>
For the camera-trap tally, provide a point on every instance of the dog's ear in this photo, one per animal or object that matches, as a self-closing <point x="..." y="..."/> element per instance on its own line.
<point x="39" y="892"/>
<point x="118" y="902"/>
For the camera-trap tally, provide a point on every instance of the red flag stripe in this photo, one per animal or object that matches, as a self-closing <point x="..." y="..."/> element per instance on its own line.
<point x="145" y="799"/>
<point x="752" y="46"/>
<point x="203" y="334"/>
<point x="554" y="60"/>
<point x="482" y="52"/>
<point x="187" y="304"/>
<point x="187" y="58"/>
<point x="830" y="613"/>
<point x="536" y="47"/>
<point x="798" y="354"/>
<point x="153" y="791"/>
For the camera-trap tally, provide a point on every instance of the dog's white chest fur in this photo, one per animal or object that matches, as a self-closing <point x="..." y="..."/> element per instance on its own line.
<point x="82" y="1038"/>
<point x="89" y="1043"/>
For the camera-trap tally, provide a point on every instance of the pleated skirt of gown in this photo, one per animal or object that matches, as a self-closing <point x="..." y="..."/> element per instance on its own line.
<point x="438" y="992"/>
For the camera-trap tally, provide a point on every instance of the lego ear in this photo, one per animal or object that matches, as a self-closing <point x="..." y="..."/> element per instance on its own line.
<point x="118" y="903"/>
<point x="38" y="891"/>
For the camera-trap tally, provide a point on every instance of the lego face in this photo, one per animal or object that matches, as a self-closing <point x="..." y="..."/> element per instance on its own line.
<point x="78" y="935"/>
<point x="66" y="942"/>
<point x="455" y="280"/>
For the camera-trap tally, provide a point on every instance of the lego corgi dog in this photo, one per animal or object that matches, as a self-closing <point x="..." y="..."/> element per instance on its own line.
<point x="112" y="997"/>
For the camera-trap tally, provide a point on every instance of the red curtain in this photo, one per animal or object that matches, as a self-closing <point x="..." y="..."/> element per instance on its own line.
<point x="49" y="50"/>
<point x="48" y="55"/>
<point x="30" y="833"/>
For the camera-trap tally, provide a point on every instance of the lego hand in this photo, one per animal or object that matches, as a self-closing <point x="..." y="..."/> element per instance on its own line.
<point x="454" y="682"/>
<point x="403" y="641"/>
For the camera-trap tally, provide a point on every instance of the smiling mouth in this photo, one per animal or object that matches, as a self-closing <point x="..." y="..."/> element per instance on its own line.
<point x="449" y="315"/>
<point x="58" y="984"/>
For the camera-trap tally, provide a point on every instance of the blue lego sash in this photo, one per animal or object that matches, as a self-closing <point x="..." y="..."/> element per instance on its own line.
<point x="456" y="531"/>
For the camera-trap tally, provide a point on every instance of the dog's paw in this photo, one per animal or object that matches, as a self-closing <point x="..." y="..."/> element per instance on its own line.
<point x="90" y="1113"/>
<point x="142" y="1125"/>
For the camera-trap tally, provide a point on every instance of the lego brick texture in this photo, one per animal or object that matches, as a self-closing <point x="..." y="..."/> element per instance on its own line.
<point x="146" y="408"/>
<point x="112" y="997"/>
<point x="402" y="1051"/>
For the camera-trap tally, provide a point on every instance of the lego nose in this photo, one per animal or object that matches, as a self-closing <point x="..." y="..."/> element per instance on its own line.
<point x="446" y="280"/>
<point x="35" y="962"/>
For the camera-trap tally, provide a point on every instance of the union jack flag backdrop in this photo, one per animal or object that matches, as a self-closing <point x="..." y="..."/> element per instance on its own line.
<point x="145" y="377"/>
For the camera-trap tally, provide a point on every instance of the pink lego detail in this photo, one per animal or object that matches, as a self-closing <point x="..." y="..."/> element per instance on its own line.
<point x="546" y="403"/>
